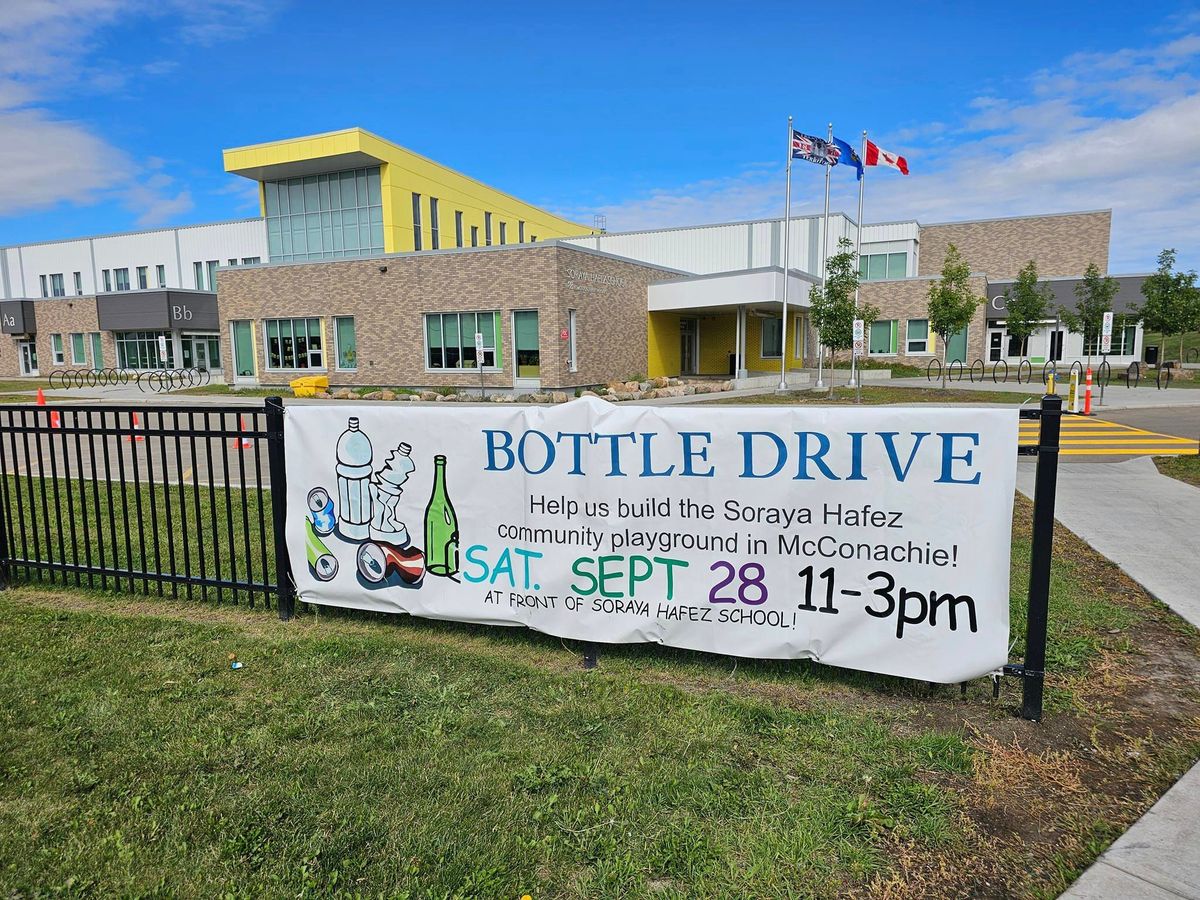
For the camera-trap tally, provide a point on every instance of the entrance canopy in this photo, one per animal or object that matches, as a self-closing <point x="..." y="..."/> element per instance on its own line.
<point x="726" y="291"/>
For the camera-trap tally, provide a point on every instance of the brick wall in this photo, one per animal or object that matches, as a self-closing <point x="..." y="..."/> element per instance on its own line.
<point x="59" y="315"/>
<point x="909" y="299"/>
<point x="389" y="307"/>
<point x="1061" y="245"/>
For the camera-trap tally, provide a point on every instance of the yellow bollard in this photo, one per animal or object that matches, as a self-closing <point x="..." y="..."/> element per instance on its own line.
<point x="1050" y="383"/>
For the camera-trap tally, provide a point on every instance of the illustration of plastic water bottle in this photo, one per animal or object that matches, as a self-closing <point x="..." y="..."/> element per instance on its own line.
<point x="354" y="482"/>
<point x="441" y="526"/>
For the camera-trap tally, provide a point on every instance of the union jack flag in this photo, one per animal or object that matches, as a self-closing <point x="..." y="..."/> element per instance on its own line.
<point x="814" y="149"/>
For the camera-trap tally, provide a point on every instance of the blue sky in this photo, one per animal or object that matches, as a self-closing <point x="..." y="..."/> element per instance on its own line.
<point x="113" y="113"/>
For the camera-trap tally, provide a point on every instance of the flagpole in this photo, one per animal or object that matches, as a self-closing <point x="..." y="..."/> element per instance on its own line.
<point x="824" y="261"/>
<point x="862" y="179"/>
<point x="787" y="222"/>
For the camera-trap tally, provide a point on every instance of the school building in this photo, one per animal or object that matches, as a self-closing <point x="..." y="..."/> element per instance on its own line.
<point x="378" y="266"/>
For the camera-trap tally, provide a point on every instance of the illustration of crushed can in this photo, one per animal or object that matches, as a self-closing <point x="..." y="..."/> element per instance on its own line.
<point x="378" y="561"/>
<point x="321" y="562"/>
<point x="320" y="511"/>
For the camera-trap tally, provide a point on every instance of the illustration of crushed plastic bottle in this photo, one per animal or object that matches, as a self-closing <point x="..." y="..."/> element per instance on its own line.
<point x="367" y="513"/>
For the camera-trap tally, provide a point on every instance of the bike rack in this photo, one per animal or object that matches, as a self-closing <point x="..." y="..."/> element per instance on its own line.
<point x="929" y="376"/>
<point x="950" y="373"/>
<point x="1133" y="375"/>
<point x="982" y="371"/>
<point x="1027" y="367"/>
<point x="995" y="367"/>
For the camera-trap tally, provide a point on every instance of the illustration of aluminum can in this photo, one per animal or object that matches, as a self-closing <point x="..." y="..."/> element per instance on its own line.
<point x="320" y="511"/>
<point x="377" y="561"/>
<point x="321" y="562"/>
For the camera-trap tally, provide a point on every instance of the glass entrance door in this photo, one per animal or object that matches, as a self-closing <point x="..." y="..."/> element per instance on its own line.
<point x="243" y="350"/>
<point x="28" y="353"/>
<point x="528" y="369"/>
<point x="689" y="345"/>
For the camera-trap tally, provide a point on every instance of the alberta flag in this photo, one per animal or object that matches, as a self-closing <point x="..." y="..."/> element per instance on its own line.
<point x="847" y="156"/>
<point x="813" y="149"/>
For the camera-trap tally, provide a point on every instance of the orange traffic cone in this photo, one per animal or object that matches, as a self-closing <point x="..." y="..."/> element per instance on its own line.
<point x="137" y="426"/>
<point x="55" y="421"/>
<point x="241" y="442"/>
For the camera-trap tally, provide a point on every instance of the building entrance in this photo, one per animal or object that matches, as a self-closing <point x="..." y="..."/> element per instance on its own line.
<point x="27" y="350"/>
<point x="202" y="351"/>
<point x="689" y="346"/>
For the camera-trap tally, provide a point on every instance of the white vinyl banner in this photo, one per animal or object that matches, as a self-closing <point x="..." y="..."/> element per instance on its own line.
<point x="869" y="538"/>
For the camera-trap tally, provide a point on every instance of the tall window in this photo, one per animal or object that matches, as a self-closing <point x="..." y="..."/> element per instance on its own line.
<point x="107" y="280"/>
<point x="434" y="242"/>
<point x="882" y="266"/>
<point x="474" y="235"/>
<point x="883" y="337"/>
<point x="211" y="266"/>
<point x="324" y="216"/>
<point x="78" y="284"/>
<point x="294" y="344"/>
<point x="1123" y="339"/>
<point x="503" y="232"/>
<point x="45" y="289"/>
<point x="143" y="278"/>
<point x="520" y="231"/>
<point x="57" y="288"/>
<point x="78" y="350"/>
<point x="917" y="336"/>
<point x="160" y="275"/>
<point x="122" y="276"/>
<point x="346" y="343"/>
<point x="487" y="228"/>
<point x="572" y="359"/>
<point x="458" y="228"/>
<point x="56" y="346"/>
<point x="450" y="339"/>
<point x="772" y="338"/>
<point x="416" y="198"/>
<point x="144" y="350"/>
<point x="198" y="275"/>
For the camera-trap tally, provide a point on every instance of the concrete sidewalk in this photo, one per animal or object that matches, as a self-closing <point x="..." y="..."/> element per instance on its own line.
<point x="1155" y="539"/>
<point x="1116" y="396"/>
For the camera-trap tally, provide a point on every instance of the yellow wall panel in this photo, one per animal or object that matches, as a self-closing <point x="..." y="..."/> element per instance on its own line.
<point x="662" y="344"/>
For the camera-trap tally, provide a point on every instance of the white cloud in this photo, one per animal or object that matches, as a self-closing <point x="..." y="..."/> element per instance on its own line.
<point x="46" y="55"/>
<point x="1116" y="130"/>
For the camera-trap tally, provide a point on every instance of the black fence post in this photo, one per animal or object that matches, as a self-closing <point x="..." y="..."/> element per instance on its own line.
<point x="1045" y="486"/>
<point x="286" y="594"/>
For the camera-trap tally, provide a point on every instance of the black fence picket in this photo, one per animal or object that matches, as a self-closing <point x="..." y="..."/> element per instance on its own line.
<point x="146" y="499"/>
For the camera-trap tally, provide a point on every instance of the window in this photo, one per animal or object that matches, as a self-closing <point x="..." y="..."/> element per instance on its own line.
<point x="198" y="275"/>
<point x="107" y="280"/>
<point x="572" y="359"/>
<point x="434" y="242"/>
<point x="144" y="349"/>
<point x="416" y="203"/>
<point x="56" y="345"/>
<point x="346" y="344"/>
<point x="450" y="339"/>
<point x="503" y="232"/>
<point x="1123" y="338"/>
<point x="772" y="338"/>
<point x="45" y="290"/>
<point x="251" y="260"/>
<point x="533" y="239"/>
<point x="78" y="284"/>
<point x="294" y="344"/>
<point x="520" y="231"/>
<point x="324" y="216"/>
<point x="916" y="335"/>
<point x="57" y="288"/>
<point x="882" y="337"/>
<point x="212" y="265"/>
<point x="458" y="228"/>
<point x="487" y="229"/>
<point x="142" y="277"/>
<point x="1017" y="347"/>
<point x="233" y="262"/>
<point x="474" y="235"/>
<point x="882" y="266"/>
<point x="78" y="350"/>
<point x="160" y="275"/>
<point x="97" y="350"/>
<point x="122" y="276"/>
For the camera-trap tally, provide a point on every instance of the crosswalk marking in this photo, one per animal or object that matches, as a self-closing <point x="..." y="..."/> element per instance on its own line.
<point x="1099" y="437"/>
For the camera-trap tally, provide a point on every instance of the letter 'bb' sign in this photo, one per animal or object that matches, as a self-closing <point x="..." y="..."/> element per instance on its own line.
<point x="874" y="539"/>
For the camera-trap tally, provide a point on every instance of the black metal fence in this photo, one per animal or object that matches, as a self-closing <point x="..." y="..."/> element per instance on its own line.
<point x="189" y="500"/>
<point x="178" y="500"/>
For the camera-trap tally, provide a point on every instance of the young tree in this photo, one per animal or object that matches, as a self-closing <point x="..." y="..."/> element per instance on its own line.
<point x="832" y="311"/>
<point x="1093" y="298"/>
<point x="1027" y="305"/>
<point x="1172" y="304"/>
<point x="952" y="304"/>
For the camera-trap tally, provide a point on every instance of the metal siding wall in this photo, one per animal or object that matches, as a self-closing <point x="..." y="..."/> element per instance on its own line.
<point x="128" y="251"/>
<point x="66" y="258"/>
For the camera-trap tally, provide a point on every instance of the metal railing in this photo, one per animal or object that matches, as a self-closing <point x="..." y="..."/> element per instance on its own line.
<point x="182" y="500"/>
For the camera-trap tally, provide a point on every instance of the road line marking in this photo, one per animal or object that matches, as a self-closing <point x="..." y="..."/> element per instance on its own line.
<point x="1162" y="451"/>
<point x="186" y="473"/>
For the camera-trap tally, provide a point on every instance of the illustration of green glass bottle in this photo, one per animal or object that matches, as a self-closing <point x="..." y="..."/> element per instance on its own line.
<point x="441" y="526"/>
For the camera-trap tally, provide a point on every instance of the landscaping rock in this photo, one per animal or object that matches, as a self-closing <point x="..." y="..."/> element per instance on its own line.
<point x="387" y="395"/>
<point x="429" y="395"/>
<point x="373" y="395"/>
<point x="344" y="394"/>
<point x="588" y="394"/>
<point x="662" y="381"/>
<point x="558" y="397"/>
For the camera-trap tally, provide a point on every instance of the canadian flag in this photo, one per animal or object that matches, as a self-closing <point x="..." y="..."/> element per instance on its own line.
<point x="877" y="156"/>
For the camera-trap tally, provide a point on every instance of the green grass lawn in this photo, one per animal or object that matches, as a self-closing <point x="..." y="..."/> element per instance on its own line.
<point x="880" y="394"/>
<point x="1183" y="468"/>
<point x="366" y="755"/>
<point x="1169" y="347"/>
